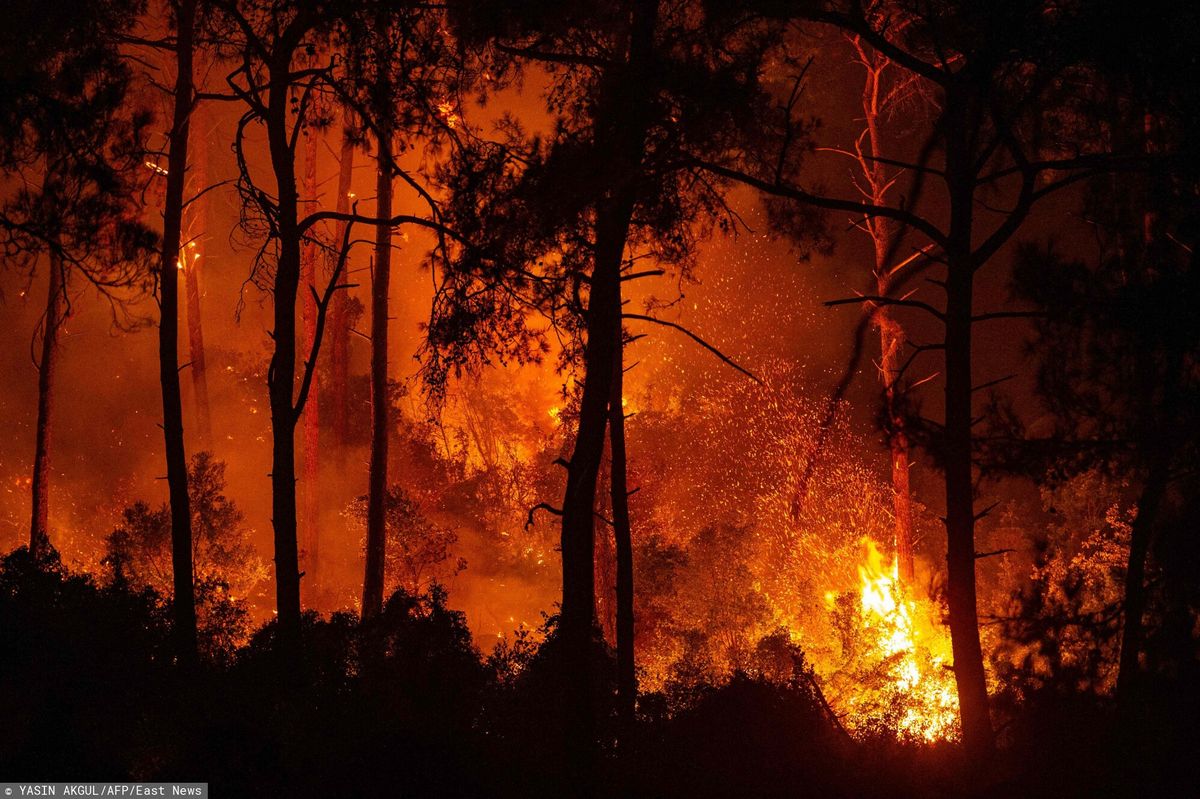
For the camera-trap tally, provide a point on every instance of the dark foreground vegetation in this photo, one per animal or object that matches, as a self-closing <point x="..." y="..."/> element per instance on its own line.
<point x="406" y="705"/>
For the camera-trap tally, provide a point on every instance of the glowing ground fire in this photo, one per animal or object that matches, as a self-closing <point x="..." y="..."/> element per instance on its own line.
<point x="904" y="636"/>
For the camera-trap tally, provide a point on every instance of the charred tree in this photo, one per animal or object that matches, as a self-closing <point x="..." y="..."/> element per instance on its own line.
<point x="339" y="318"/>
<point x="183" y="602"/>
<point x="266" y="86"/>
<point x="372" y="597"/>
<point x="870" y="153"/>
<point x="623" y="538"/>
<point x="73" y="165"/>
<point x="312" y="419"/>
<point x="612" y="185"/>
<point x="619" y="133"/>
<point x="988" y="134"/>
<point x="39" y="525"/>
<point x="281" y="375"/>
<point x="962" y="124"/>
<point x="279" y="95"/>
<point x="192" y="259"/>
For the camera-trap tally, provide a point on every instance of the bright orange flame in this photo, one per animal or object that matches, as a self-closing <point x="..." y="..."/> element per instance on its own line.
<point x="446" y="110"/>
<point x="907" y="638"/>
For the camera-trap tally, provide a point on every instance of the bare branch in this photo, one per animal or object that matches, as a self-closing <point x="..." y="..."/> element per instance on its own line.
<point x="725" y="358"/>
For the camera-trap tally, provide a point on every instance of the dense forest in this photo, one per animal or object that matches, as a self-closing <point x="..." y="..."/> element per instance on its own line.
<point x="610" y="398"/>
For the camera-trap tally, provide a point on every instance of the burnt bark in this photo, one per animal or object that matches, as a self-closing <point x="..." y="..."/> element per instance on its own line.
<point x="372" y="599"/>
<point x="340" y="312"/>
<point x="192" y="260"/>
<point x="39" y="528"/>
<point x="958" y="438"/>
<point x="623" y="538"/>
<point x="312" y="406"/>
<point x="1133" y="604"/>
<point x="620" y="124"/>
<point x="183" y="602"/>
<point x="281" y="374"/>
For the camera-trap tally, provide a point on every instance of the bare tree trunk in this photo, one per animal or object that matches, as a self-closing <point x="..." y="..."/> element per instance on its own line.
<point x="605" y="559"/>
<point x="1134" y="602"/>
<point x="377" y="475"/>
<point x="312" y="419"/>
<point x="281" y="375"/>
<point x="197" y="365"/>
<point x="183" y="602"/>
<point x="958" y="439"/>
<point x="891" y="334"/>
<point x="192" y="261"/>
<point x="620" y="126"/>
<point x="623" y="537"/>
<point x="1154" y="488"/>
<point x="340" y="313"/>
<point x="39" y="527"/>
<point x="891" y="340"/>
<point x="577" y="619"/>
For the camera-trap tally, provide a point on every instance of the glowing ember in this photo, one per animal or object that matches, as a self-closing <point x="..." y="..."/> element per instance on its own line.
<point x="904" y="636"/>
<point x="446" y="111"/>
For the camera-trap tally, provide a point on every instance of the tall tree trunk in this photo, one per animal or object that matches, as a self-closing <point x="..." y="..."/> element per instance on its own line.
<point x="340" y="313"/>
<point x="1154" y="488"/>
<point x="623" y="537"/>
<point x="183" y="603"/>
<point x="281" y="375"/>
<point x="372" y="601"/>
<point x="39" y="527"/>
<point x="969" y="674"/>
<point x="577" y="618"/>
<point x="891" y="334"/>
<point x="605" y="558"/>
<point x="192" y="261"/>
<point x="891" y="340"/>
<point x="312" y="419"/>
<point x="620" y="125"/>
<point x="1134" y="603"/>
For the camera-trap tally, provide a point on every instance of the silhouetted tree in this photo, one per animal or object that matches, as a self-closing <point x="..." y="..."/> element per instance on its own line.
<point x="883" y="100"/>
<point x="171" y="259"/>
<point x="403" y="76"/>
<point x="633" y="85"/>
<point x="268" y="39"/>
<point x="1114" y="354"/>
<point x="994" y="74"/>
<point x="71" y="143"/>
<point x="341" y="317"/>
<point x="419" y="552"/>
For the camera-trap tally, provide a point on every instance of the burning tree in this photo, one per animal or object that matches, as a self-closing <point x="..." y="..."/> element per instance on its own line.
<point x="992" y="134"/>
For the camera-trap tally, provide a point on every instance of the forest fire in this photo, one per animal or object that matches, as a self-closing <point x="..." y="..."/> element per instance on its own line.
<point x="906" y="637"/>
<point x="671" y="398"/>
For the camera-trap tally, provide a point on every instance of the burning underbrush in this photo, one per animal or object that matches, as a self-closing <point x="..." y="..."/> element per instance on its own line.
<point x="761" y="550"/>
<point x="787" y="545"/>
<point x="894" y="674"/>
<point x="754" y="541"/>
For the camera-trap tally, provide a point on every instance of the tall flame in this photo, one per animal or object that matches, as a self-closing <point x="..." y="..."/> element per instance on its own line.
<point x="910" y="644"/>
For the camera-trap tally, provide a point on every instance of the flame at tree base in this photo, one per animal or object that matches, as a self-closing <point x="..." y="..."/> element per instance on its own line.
<point x="896" y="678"/>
